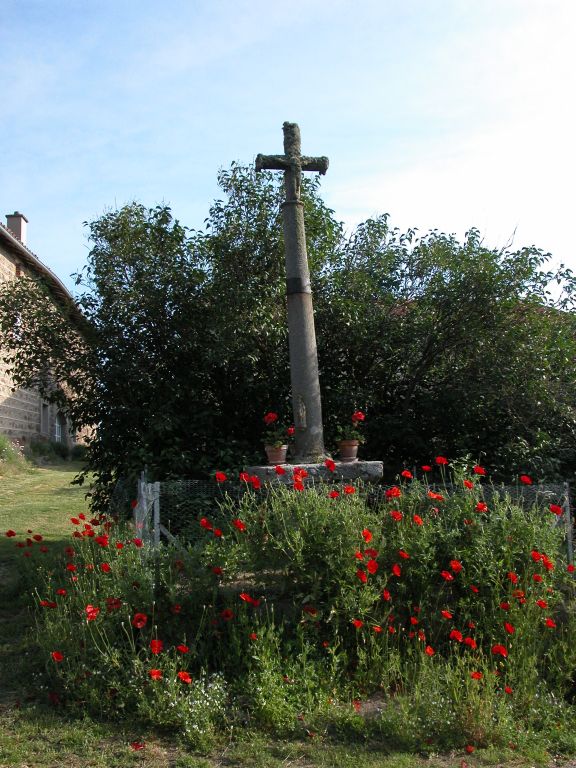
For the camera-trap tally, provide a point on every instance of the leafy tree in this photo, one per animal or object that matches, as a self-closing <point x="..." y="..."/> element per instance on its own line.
<point x="448" y="346"/>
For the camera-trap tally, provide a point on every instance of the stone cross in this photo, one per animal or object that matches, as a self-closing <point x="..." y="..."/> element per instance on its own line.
<point x="306" y="402"/>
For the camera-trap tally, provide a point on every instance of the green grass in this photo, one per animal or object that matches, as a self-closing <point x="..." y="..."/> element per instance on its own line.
<point x="33" y="735"/>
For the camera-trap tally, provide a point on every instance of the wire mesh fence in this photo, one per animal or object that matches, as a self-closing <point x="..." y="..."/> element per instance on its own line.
<point x="173" y="508"/>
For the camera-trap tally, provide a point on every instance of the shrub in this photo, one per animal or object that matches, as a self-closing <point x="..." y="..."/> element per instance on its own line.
<point x="297" y="610"/>
<point x="78" y="452"/>
<point x="11" y="456"/>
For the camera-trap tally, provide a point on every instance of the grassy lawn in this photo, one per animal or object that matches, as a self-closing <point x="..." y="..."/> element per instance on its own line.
<point x="32" y="734"/>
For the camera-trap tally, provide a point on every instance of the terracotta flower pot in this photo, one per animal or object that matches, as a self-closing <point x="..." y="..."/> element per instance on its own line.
<point x="348" y="451"/>
<point x="276" y="453"/>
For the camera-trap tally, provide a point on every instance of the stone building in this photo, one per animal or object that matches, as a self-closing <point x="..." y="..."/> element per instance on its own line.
<point x="24" y="415"/>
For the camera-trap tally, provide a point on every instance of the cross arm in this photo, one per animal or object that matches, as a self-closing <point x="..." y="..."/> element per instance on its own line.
<point x="283" y="163"/>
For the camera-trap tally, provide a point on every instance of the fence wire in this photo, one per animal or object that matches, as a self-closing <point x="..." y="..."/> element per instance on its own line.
<point x="174" y="507"/>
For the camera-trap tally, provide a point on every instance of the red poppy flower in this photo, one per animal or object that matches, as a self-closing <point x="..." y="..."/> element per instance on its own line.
<point x="542" y="603"/>
<point x="138" y="543"/>
<point x="499" y="650"/>
<point x="414" y="620"/>
<point x="298" y="485"/>
<point x="447" y="575"/>
<point x="70" y="567"/>
<point x="550" y="623"/>
<point x="456" y="566"/>
<point x="429" y="651"/>
<point x="396" y="515"/>
<point x="279" y="470"/>
<point x="386" y="595"/>
<point x="357" y="623"/>
<point x="537" y="577"/>
<point x="139" y="620"/>
<point x="570" y="568"/>
<point x="310" y="610"/>
<point x="358" y="416"/>
<point x="446" y="614"/>
<point x="372" y="553"/>
<point x="359" y="555"/>
<point x="227" y="614"/>
<point x="61" y="592"/>
<point x="418" y="520"/>
<point x="469" y="748"/>
<point x="113" y="604"/>
<point x="37" y="537"/>
<point x="47" y="604"/>
<point x="185" y="677"/>
<point x="536" y="556"/>
<point x="393" y="493"/>
<point x="349" y="489"/>
<point x="468" y="484"/>
<point x="508" y="690"/>
<point x="441" y="460"/>
<point x="182" y="648"/>
<point x="435" y="496"/>
<point x="513" y="577"/>
<point x="470" y="642"/>
<point x="217" y="532"/>
<point x="333" y="495"/>
<point x="547" y="563"/>
<point x="396" y="570"/>
<point x="404" y="555"/>
<point x="426" y="468"/>
<point x="105" y="568"/>
<point x="57" y="656"/>
<point x="362" y="576"/>
<point x="455" y="634"/>
<point x="92" y="612"/>
<point x="330" y="464"/>
<point x="119" y="545"/>
<point x="244" y="477"/>
<point x="481" y="506"/>
<point x="510" y="628"/>
<point x="526" y="479"/>
<point x="474" y="588"/>
<point x="155" y="674"/>
<point x="137" y="745"/>
<point x="156" y="646"/>
<point x="270" y="418"/>
<point x="220" y="477"/>
<point x="556" y="509"/>
<point x="476" y="675"/>
<point x="407" y="474"/>
<point x="372" y="566"/>
<point x="102" y="541"/>
<point x="253" y="636"/>
<point x="248" y="599"/>
<point x="290" y="431"/>
<point x="10" y="533"/>
<point x="255" y="482"/>
<point x="478" y="470"/>
<point x="239" y="524"/>
<point x="376" y="628"/>
<point x="367" y="535"/>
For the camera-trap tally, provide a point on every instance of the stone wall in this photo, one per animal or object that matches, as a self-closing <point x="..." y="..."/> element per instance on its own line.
<point x="23" y="414"/>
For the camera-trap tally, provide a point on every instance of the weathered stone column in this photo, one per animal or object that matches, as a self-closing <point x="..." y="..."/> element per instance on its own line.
<point x="306" y="401"/>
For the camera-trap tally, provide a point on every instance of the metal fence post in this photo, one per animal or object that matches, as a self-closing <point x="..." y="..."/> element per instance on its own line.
<point x="156" y="518"/>
<point x="568" y="523"/>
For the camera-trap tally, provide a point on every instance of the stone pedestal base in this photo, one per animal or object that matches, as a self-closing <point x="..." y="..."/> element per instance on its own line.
<point x="367" y="471"/>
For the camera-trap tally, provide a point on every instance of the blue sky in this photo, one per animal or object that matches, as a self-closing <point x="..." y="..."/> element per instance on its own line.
<point x="445" y="114"/>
